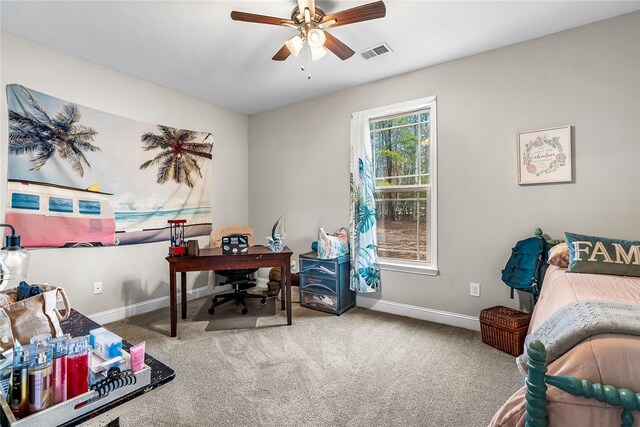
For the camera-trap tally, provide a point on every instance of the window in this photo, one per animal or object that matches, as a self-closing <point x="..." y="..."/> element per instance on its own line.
<point x="25" y="201"/>
<point x="89" y="207"/>
<point x="403" y="150"/>
<point x="58" y="204"/>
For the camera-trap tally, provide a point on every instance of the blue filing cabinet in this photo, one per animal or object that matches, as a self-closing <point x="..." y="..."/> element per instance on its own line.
<point x="324" y="283"/>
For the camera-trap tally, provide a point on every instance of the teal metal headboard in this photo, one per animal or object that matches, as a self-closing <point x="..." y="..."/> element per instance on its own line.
<point x="536" y="395"/>
<point x="549" y="242"/>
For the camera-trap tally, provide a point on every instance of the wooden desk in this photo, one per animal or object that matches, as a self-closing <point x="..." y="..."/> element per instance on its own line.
<point x="213" y="259"/>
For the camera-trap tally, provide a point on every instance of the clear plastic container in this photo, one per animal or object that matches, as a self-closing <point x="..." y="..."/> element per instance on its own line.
<point x="40" y="374"/>
<point x="42" y="339"/>
<point x="104" y="342"/>
<point x="78" y="366"/>
<point x="19" y="400"/>
<point x="60" y="350"/>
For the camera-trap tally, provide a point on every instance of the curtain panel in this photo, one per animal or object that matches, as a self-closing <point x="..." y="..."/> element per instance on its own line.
<point x="365" y="271"/>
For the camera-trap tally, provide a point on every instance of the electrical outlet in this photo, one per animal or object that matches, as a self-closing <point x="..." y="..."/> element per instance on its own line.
<point x="474" y="289"/>
<point x="97" y="288"/>
<point x="294" y="266"/>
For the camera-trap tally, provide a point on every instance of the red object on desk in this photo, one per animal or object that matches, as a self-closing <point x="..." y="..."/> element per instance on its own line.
<point x="177" y="250"/>
<point x="178" y="244"/>
<point x="214" y="259"/>
<point x="60" y="379"/>
<point x="77" y="375"/>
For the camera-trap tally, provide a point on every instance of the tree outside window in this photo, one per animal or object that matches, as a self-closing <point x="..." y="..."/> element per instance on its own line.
<point x="402" y="164"/>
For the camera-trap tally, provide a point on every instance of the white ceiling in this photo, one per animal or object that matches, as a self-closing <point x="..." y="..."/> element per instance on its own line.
<point x="195" y="48"/>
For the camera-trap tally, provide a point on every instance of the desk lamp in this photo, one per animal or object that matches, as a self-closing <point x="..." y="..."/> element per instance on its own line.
<point x="14" y="259"/>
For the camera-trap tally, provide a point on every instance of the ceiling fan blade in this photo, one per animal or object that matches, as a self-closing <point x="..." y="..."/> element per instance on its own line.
<point x="340" y="49"/>
<point x="282" y="54"/>
<point x="259" y="19"/>
<point x="365" y="12"/>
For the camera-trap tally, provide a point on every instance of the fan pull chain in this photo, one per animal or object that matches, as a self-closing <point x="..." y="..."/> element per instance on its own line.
<point x="305" y="56"/>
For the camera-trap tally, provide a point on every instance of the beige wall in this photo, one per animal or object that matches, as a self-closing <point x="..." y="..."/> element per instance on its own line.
<point x="588" y="77"/>
<point x="131" y="274"/>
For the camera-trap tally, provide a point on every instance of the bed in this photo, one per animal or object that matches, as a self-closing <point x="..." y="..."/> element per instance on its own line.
<point x="606" y="359"/>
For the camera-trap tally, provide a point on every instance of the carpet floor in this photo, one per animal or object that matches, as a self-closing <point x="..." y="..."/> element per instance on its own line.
<point x="228" y="316"/>
<point x="363" y="368"/>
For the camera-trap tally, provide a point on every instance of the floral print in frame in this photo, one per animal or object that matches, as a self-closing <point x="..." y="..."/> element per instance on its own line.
<point x="544" y="156"/>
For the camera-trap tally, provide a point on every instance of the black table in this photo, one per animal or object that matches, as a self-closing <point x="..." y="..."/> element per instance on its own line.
<point x="77" y="325"/>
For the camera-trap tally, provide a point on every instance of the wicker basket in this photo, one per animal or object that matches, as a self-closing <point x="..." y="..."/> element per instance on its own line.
<point x="504" y="328"/>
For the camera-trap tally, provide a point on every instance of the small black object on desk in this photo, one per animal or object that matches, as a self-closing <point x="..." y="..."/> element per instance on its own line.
<point x="236" y="244"/>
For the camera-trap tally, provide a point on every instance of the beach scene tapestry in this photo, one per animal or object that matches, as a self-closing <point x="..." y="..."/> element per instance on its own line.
<point x="80" y="177"/>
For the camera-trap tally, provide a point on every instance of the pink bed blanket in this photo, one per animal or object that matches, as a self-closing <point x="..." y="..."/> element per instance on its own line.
<point x="608" y="358"/>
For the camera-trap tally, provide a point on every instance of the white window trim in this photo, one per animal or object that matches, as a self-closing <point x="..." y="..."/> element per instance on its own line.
<point x="413" y="267"/>
<point x="416" y="267"/>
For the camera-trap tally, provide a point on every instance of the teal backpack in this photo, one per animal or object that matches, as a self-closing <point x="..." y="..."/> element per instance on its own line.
<point x="526" y="266"/>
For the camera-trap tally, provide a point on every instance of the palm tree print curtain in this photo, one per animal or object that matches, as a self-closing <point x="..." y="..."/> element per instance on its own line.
<point x="365" y="271"/>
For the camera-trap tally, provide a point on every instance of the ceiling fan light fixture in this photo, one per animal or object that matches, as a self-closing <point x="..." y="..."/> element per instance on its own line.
<point x="316" y="38"/>
<point x="294" y="44"/>
<point x="317" y="52"/>
<point x="311" y="21"/>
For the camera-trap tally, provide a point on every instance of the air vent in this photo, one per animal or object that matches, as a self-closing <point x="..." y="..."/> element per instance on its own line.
<point x="375" y="51"/>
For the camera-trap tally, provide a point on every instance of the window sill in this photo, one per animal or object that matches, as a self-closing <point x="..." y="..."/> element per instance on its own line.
<point x="408" y="268"/>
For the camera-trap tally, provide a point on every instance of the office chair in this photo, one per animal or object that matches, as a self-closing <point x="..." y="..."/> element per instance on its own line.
<point x="241" y="280"/>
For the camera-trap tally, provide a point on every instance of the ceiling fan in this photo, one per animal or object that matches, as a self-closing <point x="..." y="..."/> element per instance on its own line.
<point x="311" y="22"/>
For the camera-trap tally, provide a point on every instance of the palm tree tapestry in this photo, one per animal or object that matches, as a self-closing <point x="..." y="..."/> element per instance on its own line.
<point x="178" y="159"/>
<point x="82" y="177"/>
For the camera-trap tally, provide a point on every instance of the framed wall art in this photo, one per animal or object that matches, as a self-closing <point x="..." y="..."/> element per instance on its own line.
<point x="544" y="156"/>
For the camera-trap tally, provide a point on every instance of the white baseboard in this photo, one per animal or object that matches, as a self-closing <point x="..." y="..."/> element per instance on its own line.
<point x="428" y="314"/>
<point x="431" y="315"/>
<point x="120" y="313"/>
